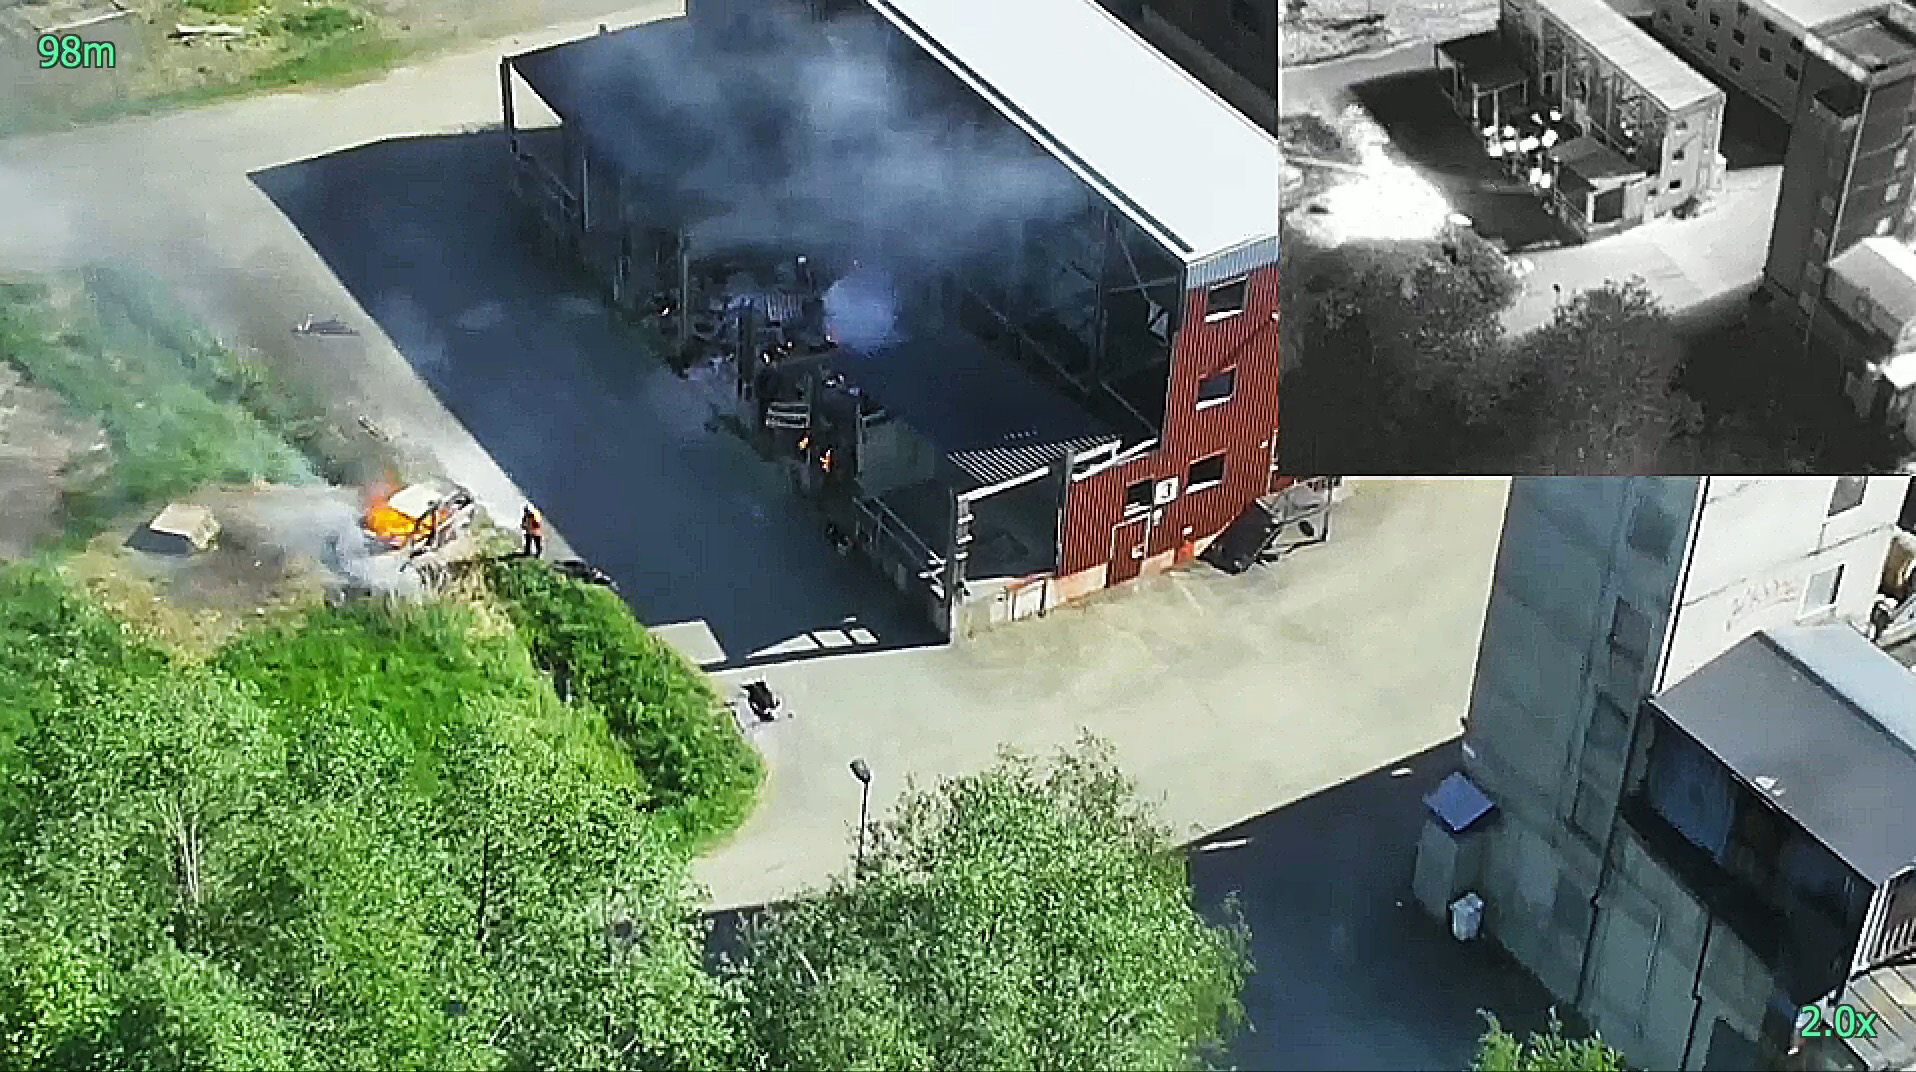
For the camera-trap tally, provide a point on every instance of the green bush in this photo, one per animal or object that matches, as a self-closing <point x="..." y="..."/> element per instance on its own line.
<point x="54" y="649"/>
<point x="414" y="675"/>
<point x="687" y="748"/>
<point x="322" y="21"/>
<point x="225" y="7"/>
<point x="234" y="865"/>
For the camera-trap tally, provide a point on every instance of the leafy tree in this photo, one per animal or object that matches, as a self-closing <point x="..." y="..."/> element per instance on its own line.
<point x="195" y="874"/>
<point x="1602" y="395"/>
<point x="1405" y="362"/>
<point x="1543" y="1051"/>
<point x="1025" y="917"/>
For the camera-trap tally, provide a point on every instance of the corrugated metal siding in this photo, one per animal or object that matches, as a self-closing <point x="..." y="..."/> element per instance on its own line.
<point x="1234" y="262"/>
<point x="1242" y="428"/>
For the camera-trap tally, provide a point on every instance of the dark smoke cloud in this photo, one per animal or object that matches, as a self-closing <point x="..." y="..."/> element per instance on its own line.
<point x="811" y="137"/>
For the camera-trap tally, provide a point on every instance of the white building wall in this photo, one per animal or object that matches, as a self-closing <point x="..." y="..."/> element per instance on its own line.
<point x="1752" y="46"/>
<point x="1705" y="562"/>
<point x="1760" y="543"/>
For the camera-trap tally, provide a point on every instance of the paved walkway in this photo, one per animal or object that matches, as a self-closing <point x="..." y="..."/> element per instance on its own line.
<point x="1225" y="696"/>
<point x="1688" y="263"/>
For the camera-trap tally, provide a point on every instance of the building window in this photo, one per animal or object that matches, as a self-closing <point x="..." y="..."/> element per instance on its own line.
<point x="1629" y="634"/>
<point x="1742" y="10"/>
<point x="1676" y="184"/>
<point x="1902" y="158"/>
<point x="1820" y="594"/>
<point x="1819" y="240"/>
<point x="1675" y="156"/>
<point x="1763" y="54"/>
<point x="1652" y="530"/>
<point x="1682" y="126"/>
<point x="1587" y="811"/>
<point x="1137" y="497"/>
<point x="1227" y="299"/>
<point x="1894" y="191"/>
<point x="1691" y="4"/>
<point x="1709" y="46"/>
<point x="1882" y="228"/>
<point x="1740" y="37"/>
<point x="1768" y="26"/>
<point x="1609" y="728"/>
<point x="1796" y="44"/>
<point x="1790" y="72"/>
<point x="1689" y="31"/>
<point x="1735" y="64"/>
<point x="1215" y="389"/>
<point x="1205" y="473"/>
<point x="1716" y="19"/>
<point x="1848" y="494"/>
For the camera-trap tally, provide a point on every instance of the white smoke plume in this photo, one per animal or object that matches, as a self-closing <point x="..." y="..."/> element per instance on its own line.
<point x="861" y="310"/>
<point x="814" y="138"/>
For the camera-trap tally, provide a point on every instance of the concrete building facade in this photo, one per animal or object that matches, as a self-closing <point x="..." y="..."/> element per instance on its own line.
<point x="1607" y="591"/>
<point x="1647" y="127"/>
<point x="1866" y="323"/>
<point x="1847" y="173"/>
<point x="1754" y="45"/>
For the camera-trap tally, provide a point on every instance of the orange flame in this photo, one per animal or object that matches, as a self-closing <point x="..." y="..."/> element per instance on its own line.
<point x="385" y="524"/>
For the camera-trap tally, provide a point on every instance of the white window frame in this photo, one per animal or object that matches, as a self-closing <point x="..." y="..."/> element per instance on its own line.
<point x="1207" y="403"/>
<point x="1193" y="488"/>
<point x="1805" y="610"/>
<point x="1211" y="317"/>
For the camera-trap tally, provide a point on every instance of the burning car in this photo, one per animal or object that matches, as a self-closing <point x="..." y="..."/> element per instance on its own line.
<point x="420" y="517"/>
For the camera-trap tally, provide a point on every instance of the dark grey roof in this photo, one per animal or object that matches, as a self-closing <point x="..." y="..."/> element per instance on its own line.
<point x="1486" y="59"/>
<point x="993" y="419"/>
<point x="1823" y="724"/>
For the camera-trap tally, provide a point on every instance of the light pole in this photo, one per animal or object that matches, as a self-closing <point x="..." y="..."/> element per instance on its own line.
<point x="864" y="775"/>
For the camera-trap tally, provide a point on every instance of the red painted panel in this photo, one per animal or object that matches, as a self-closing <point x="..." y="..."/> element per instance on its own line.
<point x="1243" y="428"/>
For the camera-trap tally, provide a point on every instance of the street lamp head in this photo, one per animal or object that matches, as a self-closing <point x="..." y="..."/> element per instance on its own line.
<point x="861" y="772"/>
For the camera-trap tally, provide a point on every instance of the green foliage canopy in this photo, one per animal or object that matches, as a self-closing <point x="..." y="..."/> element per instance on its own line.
<point x="1026" y="917"/>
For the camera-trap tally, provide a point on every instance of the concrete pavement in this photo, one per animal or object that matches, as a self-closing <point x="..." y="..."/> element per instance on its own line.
<point x="1225" y="697"/>
<point x="1688" y="263"/>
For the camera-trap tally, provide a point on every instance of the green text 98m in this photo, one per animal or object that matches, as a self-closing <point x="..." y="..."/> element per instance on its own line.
<point x="70" y="51"/>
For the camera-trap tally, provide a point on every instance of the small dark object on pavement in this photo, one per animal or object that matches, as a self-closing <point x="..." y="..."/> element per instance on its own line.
<point x="759" y="696"/>
<point x="585" y="571"/>
<point x="329" y="326"/>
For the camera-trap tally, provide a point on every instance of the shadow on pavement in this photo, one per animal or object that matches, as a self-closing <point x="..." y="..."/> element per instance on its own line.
<point x="621" y="454"/>
<point x="1349" y="971"/>
<point x="1426" y="134"/>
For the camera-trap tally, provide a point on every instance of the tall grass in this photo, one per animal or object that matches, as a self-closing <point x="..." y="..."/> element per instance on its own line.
<point x="179" y="408"/>
<point x="412" y="675"/>
<point x="704" y="774"/>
